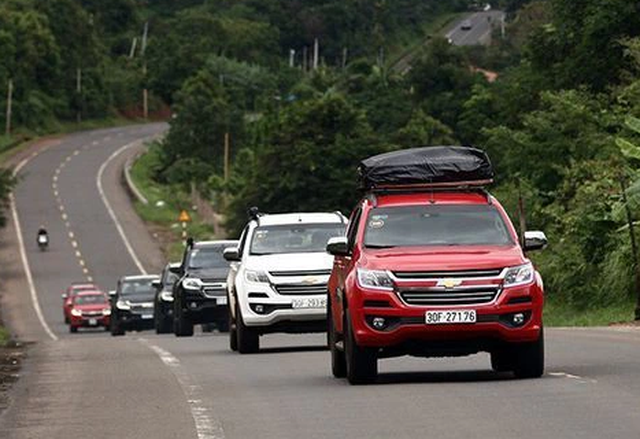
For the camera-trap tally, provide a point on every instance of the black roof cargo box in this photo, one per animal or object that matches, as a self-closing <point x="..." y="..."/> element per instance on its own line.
<point x="429" y="166"/>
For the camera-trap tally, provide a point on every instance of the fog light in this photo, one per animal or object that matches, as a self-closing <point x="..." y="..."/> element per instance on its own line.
<point x="379" y="323"/>
<point x="518" y="319"/>
<point x="259" y="309"/>
<point x="193" y="305"/>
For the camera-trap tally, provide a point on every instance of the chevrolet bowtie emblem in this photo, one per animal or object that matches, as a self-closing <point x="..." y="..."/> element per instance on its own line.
<point x="310" y="281"/>
<point x="449" y="283"/>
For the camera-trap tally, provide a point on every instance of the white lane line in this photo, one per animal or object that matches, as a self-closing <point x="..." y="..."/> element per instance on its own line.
<point x="76" y="152"/>
<point x="573" y="377"/>
<point x="89" y="278"/>
<point x="207" y="426"/>
<point x="94" y="143"/>
<point x="71" y="235"/>
<point x="110" y="209"/>
<point x="78" y="254"/>
<point x="82" y="264"/>
<point x="74" y="243"/>
<point x="64" y="216"/>
<point x="23" y="255"/>
<point x="55" y="178"/>
<point x="56" y="193"/>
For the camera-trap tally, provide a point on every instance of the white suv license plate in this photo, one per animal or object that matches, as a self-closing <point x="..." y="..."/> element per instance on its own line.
<point x="310" y="302"/>
<point x="221" y="300"/>
<point x="449" y="317"/>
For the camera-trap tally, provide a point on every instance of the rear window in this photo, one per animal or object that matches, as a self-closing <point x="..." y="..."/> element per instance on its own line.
<point x="435" y="225"/>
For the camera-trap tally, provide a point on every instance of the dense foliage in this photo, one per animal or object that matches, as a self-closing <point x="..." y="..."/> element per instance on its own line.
<point x="558" y="122"/>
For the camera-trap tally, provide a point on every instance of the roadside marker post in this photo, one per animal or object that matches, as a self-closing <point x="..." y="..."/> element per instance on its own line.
<point x="184" y="218"/>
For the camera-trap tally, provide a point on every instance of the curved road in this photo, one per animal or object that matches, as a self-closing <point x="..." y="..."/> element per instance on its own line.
<point x="143" y="385"/>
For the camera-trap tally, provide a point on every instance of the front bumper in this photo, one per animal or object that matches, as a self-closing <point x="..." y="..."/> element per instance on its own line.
<point x="90" y="321"/>
<point x="135" y="320"/>
<point x="406" y="328"/>
<point x="262" y="306"/>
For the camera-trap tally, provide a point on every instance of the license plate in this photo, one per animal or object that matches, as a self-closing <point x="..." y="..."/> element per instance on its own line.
<point x="448" y="317"/>
<point x="93" y="322"/>
<point x="221" y="300"/>
<point x="310" y="302"/>
<point x="147" y="316"/>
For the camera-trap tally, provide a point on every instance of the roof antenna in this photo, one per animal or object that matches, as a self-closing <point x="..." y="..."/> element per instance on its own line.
<point x="432" y="200"/>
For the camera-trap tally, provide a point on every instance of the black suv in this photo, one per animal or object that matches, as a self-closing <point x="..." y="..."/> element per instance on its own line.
<point x="132" y="304"/>
<point x="200" y="294"/>
<point x="163" y="308"/>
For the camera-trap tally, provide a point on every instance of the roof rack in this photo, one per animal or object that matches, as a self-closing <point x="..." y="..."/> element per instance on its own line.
<point x="467" y="186"/>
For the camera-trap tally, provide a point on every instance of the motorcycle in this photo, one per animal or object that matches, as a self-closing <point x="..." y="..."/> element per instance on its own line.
<point x="43" y="242"/>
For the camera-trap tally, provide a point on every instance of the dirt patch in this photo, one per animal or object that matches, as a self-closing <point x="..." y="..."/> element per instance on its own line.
<point x="11" y="358"/>
<point x="634" y="324"/>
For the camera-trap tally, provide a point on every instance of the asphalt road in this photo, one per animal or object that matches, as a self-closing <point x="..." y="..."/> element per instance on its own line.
<point x="143" y="386"/>
<point x="482" y="25"/>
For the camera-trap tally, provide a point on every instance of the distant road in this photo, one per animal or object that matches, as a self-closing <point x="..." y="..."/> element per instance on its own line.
<point x="482" y="25"/>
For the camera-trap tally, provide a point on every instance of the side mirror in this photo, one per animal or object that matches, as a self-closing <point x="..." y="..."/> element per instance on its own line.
<point x="175" y="270"/>
<point x="338" y="246"/>
<point x="534" y="240"/>
<point x="231" y="254"/>
<point x="65" y="296"/>
<point x="112" y="293"/>
<point x="156" y="283"/>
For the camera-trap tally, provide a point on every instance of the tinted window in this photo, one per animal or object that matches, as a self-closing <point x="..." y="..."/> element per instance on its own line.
<point x="93" y="299"/>
<point x="138" y="288"/>
<point x="207" y="257"/>
<point x="293" y="238"/>
<point x="433" y="225"/>
<point x="169" y="279"/>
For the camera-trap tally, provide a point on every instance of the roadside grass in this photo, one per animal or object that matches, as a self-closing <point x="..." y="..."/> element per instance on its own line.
<point x="165" y="205"/>
<point x="406" y="43"/>
<point x="558" y="314"/>
<point x="5" y="337"/>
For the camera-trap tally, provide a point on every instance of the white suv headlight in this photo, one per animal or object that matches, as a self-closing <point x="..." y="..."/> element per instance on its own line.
<point x="375" y="279"/>
<point x="520" y="275"/>
<point x="166" y="296"/>
<point x="191" y="283"/>
<point x="258" y="277"/>
<point x="123" y="305"/>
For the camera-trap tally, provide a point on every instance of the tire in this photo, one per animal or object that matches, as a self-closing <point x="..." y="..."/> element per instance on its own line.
<point x="502" y="360"/>
<point x="107" y="329"/>
<point x="529" y="358"/>
<point x="248" y="338"/>
<point x="233" y="335"/>
<point x="361" y="362"/>
<point x="223" y="324"/>
<point x="66" y="320"/>
<point x="161" y="322"/>
<point x="116" y="329"/>
<point x="73" y="329"/>
<point x="338" y="362"/>
<point x="182" y="326"/>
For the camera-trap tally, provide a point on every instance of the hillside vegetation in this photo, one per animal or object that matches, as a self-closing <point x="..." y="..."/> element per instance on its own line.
<point x="559" y="122"/>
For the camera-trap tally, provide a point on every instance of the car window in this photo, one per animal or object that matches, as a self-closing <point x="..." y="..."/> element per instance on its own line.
<point x="138" y="288"/>
<point x="433" y="225"/>
<point x="169" y="279"/>
<point x="352" y="229"/>
<point x="294" y="238"/>
<point x="243" y="240"/>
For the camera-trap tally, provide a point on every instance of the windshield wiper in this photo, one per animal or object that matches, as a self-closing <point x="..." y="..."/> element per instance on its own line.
<point x="261" y="254"/>
<point x="380" y="246"/>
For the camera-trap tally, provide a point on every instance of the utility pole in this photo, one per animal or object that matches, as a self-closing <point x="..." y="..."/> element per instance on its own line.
<point x="316" y="53"/>
<point x="9" y="104"/>
<point x="304" y="59"/>
<point x="79" y="94"/>
<point x="345" y="53"/>
<point x="145" y="91"/>
<point x="292" y="57"/>
<point x="134" y="44"/>
<point x="227" y="151"/>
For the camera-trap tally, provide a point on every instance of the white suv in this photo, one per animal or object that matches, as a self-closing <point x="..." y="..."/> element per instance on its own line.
<point x="278" y="276"/>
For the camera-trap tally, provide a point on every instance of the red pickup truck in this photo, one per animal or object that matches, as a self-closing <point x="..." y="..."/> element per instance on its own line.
<point x="434" y="270"/>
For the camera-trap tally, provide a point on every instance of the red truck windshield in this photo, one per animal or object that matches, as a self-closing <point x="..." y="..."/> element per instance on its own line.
<point x="434" y="225"/>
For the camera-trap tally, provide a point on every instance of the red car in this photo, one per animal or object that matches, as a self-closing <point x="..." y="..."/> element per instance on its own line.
<point x="433" y="272"/>
<point x="89" y="309"/>
<point x="68" y="295"/>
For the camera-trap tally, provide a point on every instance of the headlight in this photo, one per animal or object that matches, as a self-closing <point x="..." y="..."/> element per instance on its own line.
<point x="378" y="280"/>
<point x="123" y="305"/>
<point x="76" y="313"/>
<point x="166" y="296"/>
<point x="106" y="312"/>
<point x="191" y="283"/>
<point x="258" y="277"/>
<point x="521" y="275"/>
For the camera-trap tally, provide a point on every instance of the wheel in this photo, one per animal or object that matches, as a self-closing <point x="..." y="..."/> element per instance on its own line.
<point x="338" y="362"/>
<point x="502" y="360"/>
<point x="529" y="358"/>
<point x="182" y="326"/>
<point x="361" y="362"/>
<point x="73" y="329"/>
<point x="162" y="324"/>
<point x="248" y="338"/>
<point x="106" y="328"/>
<point x="116" y="328"/>
<point x="66" y="320"/>
<point x="223" y="324"/>
<point x="233" y="335"/>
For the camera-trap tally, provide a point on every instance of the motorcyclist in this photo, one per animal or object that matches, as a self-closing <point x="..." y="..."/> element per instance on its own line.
<point x="43" y="237"/>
